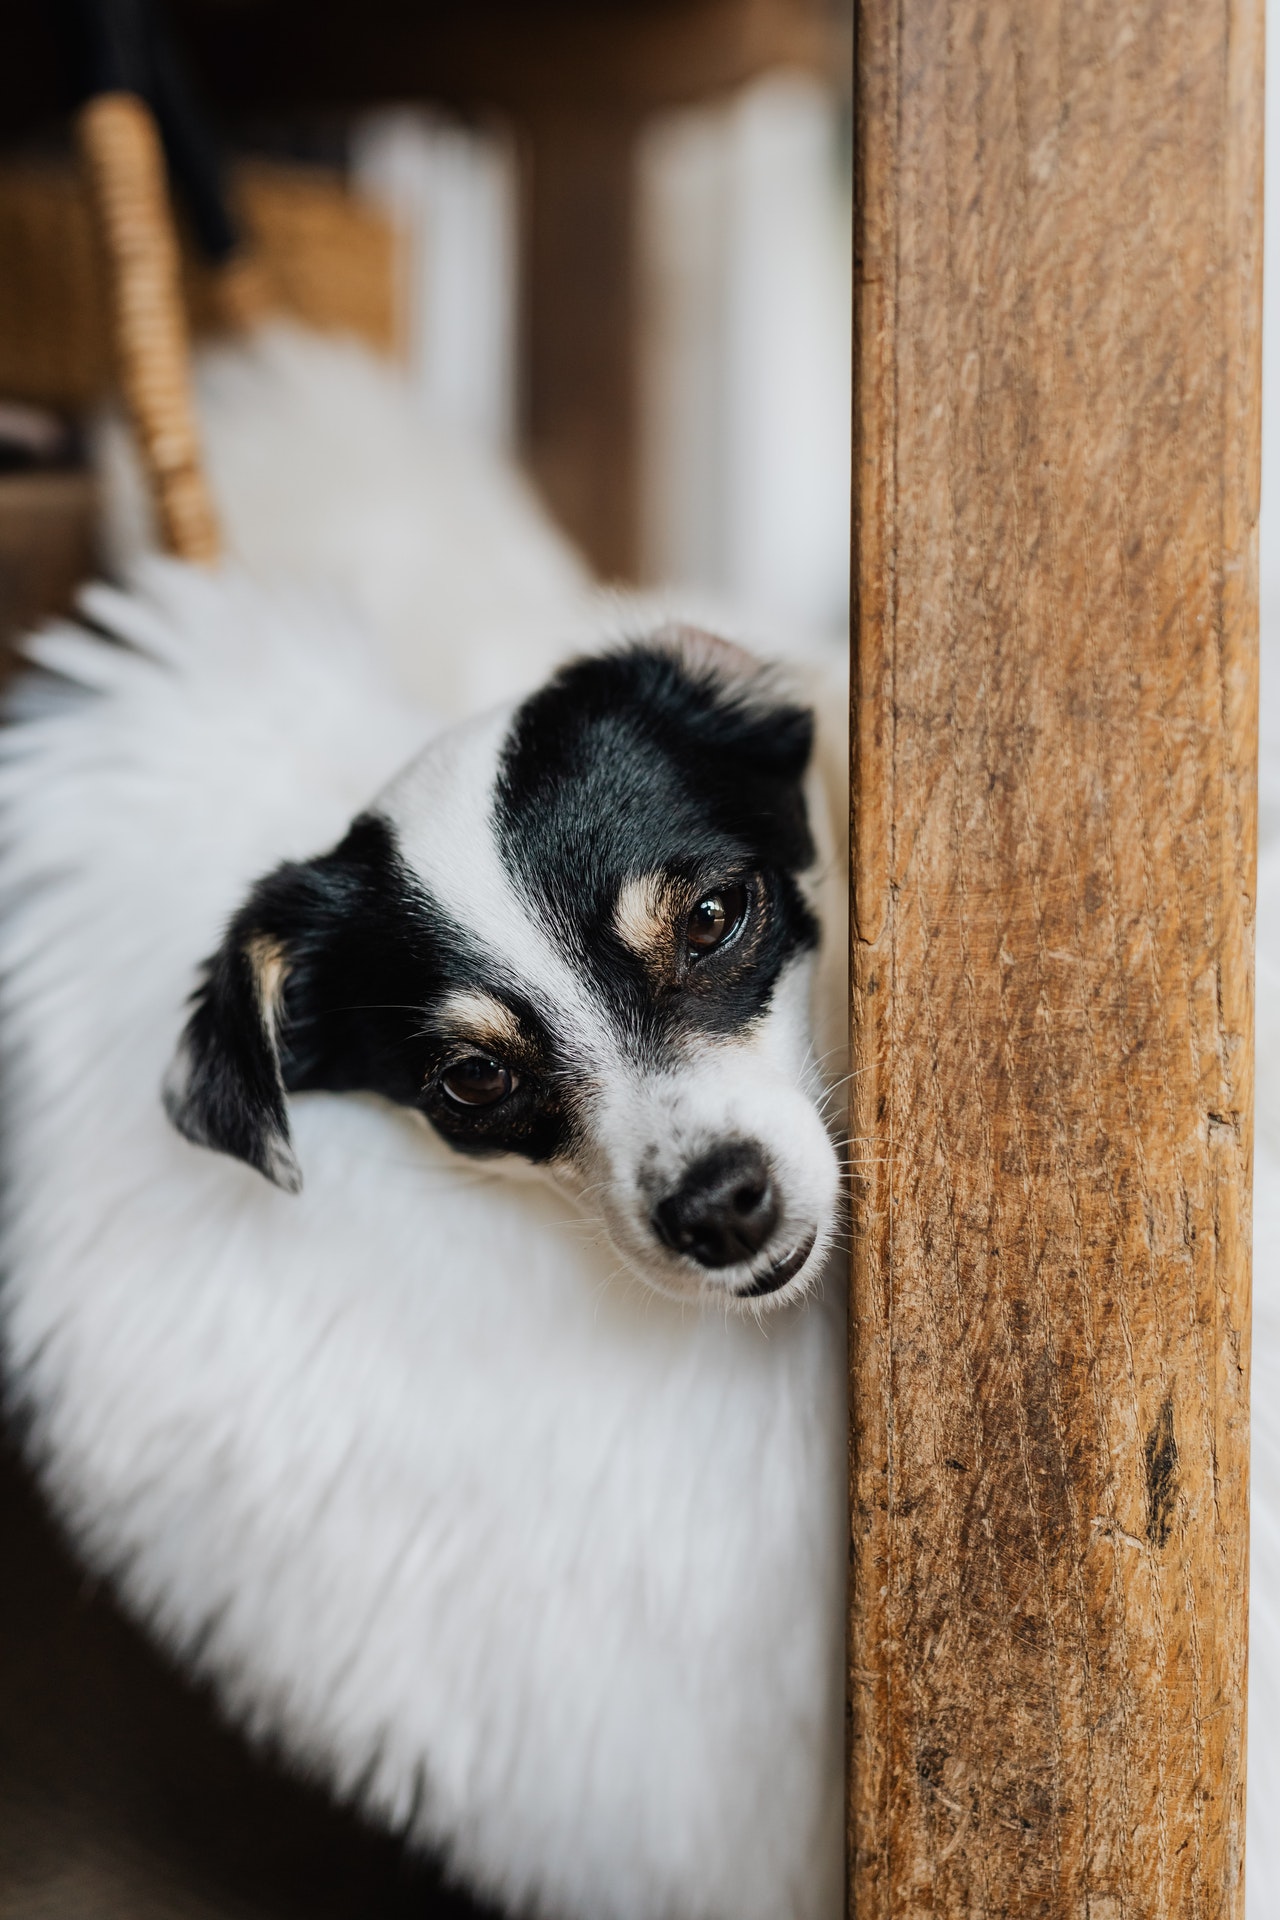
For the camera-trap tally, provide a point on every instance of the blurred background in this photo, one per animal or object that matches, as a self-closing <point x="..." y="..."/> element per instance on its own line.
<point x="742" y="211"/>
<point x="610" y="239"/>
<point x="607" y="241"/>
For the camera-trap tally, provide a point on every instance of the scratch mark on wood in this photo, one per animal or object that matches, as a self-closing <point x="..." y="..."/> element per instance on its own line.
<point x="1161" y="1455"/>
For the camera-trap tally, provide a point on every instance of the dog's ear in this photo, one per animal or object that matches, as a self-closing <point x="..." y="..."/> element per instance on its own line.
<point x="319" y="985"/>
<point x="739" y="704"/>
<point x="225" y="1088"/>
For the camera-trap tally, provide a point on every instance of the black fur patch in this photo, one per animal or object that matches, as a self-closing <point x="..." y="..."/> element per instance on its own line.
<point x="630" y="764"/>
<point x="368" y="956"/>
<point x="224" y="1089"/>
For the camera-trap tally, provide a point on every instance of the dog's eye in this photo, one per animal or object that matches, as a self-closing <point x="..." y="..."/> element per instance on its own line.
<point x="477" y="1081"/>
<point x="716" y="916"/>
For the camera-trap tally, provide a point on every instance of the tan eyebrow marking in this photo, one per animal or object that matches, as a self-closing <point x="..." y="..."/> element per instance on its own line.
<point x="642" y="916"/>
<point x="478" y="1015"/>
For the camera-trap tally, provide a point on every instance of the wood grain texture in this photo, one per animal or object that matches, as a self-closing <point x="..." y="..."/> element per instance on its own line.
<point x="1057" y="371"/>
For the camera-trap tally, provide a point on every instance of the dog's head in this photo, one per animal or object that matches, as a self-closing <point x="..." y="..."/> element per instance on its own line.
<point x="581" y="933"/>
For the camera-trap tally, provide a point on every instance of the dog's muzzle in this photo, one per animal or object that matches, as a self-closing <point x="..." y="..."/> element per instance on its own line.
<point x="725" y="1210"/>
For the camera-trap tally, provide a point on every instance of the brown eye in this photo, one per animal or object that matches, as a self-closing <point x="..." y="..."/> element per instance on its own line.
<point x="477" y="1081"/>
<point x="716" y="916"/>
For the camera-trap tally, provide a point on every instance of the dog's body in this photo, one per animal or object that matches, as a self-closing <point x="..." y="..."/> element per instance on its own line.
<point x="539" y="1563"/>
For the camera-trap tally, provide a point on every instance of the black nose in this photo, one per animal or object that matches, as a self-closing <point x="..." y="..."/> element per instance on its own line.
<point x="724" y="1209"/>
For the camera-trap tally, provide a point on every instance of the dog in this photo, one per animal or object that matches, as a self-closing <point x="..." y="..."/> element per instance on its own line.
<point x="472" y="1415"/>
<point x="579" y="935"/>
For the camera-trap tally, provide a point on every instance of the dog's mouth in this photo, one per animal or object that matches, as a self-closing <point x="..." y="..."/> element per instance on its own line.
<point x="776" y="1277"/>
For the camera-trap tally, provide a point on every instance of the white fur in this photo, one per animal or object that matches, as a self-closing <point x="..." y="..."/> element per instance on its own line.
<point x="650" y="1127"/>
<point x="544" y="1566"/>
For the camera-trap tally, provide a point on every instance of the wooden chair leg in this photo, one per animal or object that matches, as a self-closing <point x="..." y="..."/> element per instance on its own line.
<point x="125" y="169"/>
<point x="579" y="328"/>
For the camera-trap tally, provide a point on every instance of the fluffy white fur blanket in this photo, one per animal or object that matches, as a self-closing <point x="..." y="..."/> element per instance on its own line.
<point x="238" y="1433"/>
<point x="538" y="1564"/>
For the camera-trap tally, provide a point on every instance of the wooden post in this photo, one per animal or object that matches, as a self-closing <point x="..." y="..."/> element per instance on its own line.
<point x="1055" y="532"/>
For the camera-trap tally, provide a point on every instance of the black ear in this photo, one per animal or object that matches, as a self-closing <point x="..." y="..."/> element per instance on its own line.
<point x="225" y="1088"/>
<point x="319" y="984"/>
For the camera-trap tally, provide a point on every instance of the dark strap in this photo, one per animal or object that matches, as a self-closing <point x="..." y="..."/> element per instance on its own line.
<point x="124" y="46"/>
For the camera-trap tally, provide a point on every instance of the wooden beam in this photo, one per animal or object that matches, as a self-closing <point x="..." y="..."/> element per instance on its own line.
<point x="627" y="55"/>
<point x="1056" y="473"/>
<point x="267" y="57"/>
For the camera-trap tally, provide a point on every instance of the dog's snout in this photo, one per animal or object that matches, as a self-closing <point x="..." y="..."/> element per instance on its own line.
<point x="724" y="1209"/>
